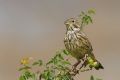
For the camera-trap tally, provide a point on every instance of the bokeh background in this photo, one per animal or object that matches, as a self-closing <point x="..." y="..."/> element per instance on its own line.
<point x="35" y="28"/>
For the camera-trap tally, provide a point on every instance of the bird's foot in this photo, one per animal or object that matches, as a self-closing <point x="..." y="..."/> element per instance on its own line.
<point x="86" y="70"/>
<point x="74" y="71"/>
<point x="75" y="65"/>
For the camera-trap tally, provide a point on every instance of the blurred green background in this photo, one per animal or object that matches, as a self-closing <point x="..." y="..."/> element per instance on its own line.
<point x="35" y="28"/>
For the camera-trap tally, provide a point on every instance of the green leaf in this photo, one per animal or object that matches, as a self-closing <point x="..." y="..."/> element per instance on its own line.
<point x="35" y="63"/>
<point x="98" y="79"/>
<point x="22" y="78"/>
<point x="66" y="52"/>
<point x="48" y="74"/>
<point x="60" y="57"/>
<point x="24" y="68"/>
<point x="51" y="61"/>
<point x="28" y="74"/>
<point x="91" y="11"/>
<point x="90" y="19"/>
<point x="86" y="19"/>
<point x="92" y="78"/>
<point x="39" y="63"/>
<point x="66" y="63"/>
<point x="34" y="77"/>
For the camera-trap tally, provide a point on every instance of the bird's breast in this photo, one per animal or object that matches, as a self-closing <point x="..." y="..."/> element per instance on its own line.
<point x="73" y="44"/>
<point x="71" y="41"/>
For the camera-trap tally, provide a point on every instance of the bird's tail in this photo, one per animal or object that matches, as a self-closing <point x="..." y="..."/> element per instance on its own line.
<point x="99" y="66"/>
<point x="93" y="62"/>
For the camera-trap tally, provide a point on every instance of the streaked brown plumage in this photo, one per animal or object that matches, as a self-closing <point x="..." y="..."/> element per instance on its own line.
<point x="76" y="42"/>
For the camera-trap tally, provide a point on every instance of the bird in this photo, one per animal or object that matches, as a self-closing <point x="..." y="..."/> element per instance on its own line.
<point x="78" y="45"/>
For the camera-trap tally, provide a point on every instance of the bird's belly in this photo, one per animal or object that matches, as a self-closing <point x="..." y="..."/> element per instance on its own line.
<point x="75" y="48"/>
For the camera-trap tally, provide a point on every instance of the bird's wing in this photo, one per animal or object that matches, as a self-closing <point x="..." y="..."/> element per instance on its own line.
<point x="85" y="43"/>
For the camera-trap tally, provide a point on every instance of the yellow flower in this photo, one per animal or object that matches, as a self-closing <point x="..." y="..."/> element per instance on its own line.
<point x="25" y="61"/>
<point x="90" y="60"/>
<point x="95" y="64"/>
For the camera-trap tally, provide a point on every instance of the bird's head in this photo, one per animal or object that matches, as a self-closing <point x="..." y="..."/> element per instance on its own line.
<point x="72" y="24"/>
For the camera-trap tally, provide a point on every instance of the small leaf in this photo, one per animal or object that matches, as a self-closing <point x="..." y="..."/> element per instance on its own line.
<point x="35" y="63"/>
<point x="66" y="52"/>
<point x="51" y="61"/>
<point x="24" y="68"/>
<point x="92" y="78"/>
<point x="66" y="63"/>
<point x="60" y="56"/>
<point x="98" y="79"/>
<point x="39" y="63"/>
<point x="22" y="78"/>
<point x="91" y="11"/>
<point x="90" y="19"/>
<point x="28" y="74"/>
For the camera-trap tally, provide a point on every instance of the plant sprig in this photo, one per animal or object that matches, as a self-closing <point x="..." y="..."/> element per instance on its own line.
<point x="86" y="17"/>
<point x="57" y="68"/>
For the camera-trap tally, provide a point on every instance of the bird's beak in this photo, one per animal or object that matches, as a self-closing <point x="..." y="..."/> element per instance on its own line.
<point x="67" y="24"/>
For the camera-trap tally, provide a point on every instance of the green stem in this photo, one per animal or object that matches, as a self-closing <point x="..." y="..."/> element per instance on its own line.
<point x="81" y="27"/>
